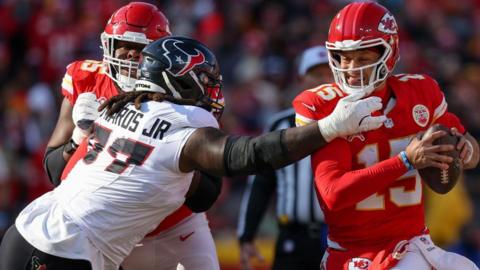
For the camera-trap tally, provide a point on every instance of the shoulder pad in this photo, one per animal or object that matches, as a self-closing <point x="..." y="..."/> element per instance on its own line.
<point x="317" y="102"/>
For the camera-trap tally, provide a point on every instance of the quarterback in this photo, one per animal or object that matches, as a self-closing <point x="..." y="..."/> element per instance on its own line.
<point x="367" y="183"/>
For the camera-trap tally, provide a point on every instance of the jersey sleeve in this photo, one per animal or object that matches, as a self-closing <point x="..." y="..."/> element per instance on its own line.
<point x="68" y="88"/>
<point x="184" y="124"/>
<point x="309" y="107"/>
<point x="203" y="118"/>
<point x="193" y="116"/>
<point x="339" y="186"/>
<point x="80" y="77"/>
<point x="441" y="115"/>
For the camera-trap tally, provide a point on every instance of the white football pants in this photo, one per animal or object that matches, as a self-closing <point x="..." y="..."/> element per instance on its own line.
<point x="422" y="254"/>
<point x="188" y="245"/>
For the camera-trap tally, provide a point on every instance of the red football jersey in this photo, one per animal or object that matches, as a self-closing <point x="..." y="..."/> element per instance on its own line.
<point x="90" y="76"/>
<point x="367" y="194"/>
<point x="87" y="76"/>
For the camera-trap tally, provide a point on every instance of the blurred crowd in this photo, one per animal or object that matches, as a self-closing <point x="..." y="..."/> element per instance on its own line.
<point x="257" y="43"/>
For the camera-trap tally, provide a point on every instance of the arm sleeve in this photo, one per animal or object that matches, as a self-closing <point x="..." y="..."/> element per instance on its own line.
<point x="245" y="155"/>
<point x="207" y="192"/>
<point x="339" y="186"/>
<point x="54" y="163"/>
<point x="255" y="201"/>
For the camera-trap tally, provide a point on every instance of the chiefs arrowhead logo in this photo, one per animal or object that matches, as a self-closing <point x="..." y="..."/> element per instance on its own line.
<point x="358" y="264"/>
<point x="388" y="24"/>
<point x="181" y="58"/>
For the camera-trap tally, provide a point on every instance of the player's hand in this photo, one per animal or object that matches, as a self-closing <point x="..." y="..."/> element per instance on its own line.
<point x="248" y="251"/>
<point x="85" y="110"/>
<point x="352" y="115"/>
<point x="421" y="152"/>
<point x="464" y="146"/>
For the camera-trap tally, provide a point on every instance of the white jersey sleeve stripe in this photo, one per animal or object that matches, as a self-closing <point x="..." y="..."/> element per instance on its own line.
<point x="440" y="110"/>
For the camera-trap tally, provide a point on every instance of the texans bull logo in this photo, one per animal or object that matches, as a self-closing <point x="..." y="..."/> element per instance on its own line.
<point x="36" y="265"/>
<point x="181" y="58"/>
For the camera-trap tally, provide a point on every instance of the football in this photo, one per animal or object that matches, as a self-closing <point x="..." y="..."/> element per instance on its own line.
<point x="442" y="181"/>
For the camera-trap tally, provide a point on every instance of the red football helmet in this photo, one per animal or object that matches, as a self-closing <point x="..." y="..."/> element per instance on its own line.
<point x="362" y="25"/>
<point x="136" y="22"/>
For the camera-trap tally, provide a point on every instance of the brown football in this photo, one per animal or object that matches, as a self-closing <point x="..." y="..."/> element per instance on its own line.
<point x="442" y="181"/>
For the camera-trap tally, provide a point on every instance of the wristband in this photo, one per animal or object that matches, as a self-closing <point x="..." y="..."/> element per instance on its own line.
<point x="405" y="161"/>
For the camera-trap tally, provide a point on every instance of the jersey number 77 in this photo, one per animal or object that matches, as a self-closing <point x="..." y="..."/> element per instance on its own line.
<point x="124" y="151"/>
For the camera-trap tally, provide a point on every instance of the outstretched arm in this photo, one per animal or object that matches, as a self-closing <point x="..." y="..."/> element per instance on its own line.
<point x="212" y="151"/>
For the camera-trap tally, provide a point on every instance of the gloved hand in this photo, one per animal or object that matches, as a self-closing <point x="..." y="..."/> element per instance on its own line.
<point x="352" y="115"/>
<point x="84" y="112"/>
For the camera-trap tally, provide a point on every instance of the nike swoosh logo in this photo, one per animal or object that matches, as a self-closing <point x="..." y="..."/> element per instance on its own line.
<point x="310" y="107"/>
<point x="184" y="237"/>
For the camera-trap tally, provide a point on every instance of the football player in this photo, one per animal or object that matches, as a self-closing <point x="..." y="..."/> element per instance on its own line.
<point x="146" y="144"/>
<point x="368" y="183"/>
<point x="88" y="83"/>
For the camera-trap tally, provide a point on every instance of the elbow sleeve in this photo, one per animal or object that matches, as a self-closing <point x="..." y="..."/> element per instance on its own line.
<point x="245" y="155"/>
<point x="54" y="163"/>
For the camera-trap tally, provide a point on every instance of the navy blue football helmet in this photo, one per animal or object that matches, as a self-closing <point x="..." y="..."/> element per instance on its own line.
<point x="184" y="69"/>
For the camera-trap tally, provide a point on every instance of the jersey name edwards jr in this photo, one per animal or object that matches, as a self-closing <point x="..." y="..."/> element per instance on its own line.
<point x="129" y="119"/>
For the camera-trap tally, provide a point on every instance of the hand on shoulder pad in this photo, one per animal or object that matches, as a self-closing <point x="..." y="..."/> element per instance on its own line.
<point x="352" y="115"/>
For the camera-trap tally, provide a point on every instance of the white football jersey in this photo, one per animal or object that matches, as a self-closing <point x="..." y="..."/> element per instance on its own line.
<point x="126" y="184"/>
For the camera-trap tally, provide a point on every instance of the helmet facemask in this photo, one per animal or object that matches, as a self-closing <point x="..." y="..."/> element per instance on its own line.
<point x="116" y="65"/>
<point x="213" y="96"/>
<point x="379" y="72"/>
<point x="204" y="89"/>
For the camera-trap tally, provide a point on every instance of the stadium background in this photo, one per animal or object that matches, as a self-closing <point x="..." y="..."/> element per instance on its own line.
<point x="257" y="43"/>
